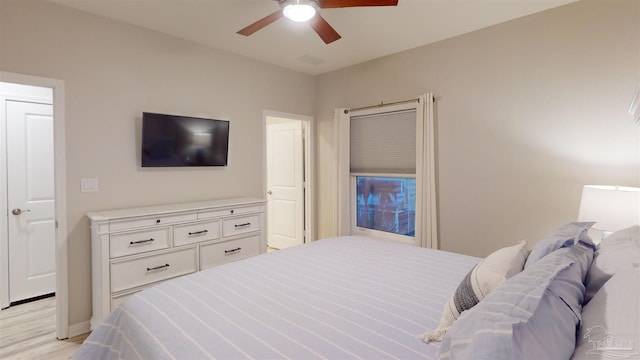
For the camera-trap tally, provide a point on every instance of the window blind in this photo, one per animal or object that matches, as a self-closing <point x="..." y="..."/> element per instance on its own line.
<point x="384" y="143"/>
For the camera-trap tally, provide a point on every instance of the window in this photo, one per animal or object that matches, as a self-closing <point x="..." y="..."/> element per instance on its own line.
<point x="385" y="181"/>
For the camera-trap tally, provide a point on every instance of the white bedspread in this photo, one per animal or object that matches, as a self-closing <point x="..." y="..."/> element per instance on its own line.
<point x="339" y="298"/>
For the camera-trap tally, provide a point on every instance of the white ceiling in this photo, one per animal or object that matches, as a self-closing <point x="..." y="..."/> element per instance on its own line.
<point x="367" y="33"/>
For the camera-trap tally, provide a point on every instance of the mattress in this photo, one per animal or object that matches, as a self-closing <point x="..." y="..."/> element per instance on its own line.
<point x="339" y="298"/>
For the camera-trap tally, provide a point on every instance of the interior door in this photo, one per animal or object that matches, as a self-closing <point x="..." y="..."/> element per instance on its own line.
<point x="31" y="200"/>
<point x="285" y="185"/>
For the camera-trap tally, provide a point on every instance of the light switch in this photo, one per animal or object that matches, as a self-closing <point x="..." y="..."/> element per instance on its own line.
<point x="89" y="185"/>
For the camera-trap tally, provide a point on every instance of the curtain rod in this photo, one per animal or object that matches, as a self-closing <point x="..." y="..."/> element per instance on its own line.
<point x="346" y="111"/>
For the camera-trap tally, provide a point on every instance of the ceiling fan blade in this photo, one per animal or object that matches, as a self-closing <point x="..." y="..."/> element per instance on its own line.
<point x="324" y="30"/>
<point x="331" y="4"/>
<point x="261" y="23"/>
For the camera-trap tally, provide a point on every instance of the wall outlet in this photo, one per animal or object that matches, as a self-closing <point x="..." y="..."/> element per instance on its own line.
<point x="88" y="185"/>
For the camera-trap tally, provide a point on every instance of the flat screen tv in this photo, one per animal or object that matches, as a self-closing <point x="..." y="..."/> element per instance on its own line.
<point x="175" y="141"/>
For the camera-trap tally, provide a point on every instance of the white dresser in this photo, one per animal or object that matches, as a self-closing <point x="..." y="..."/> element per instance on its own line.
<point x="134" y="248"/>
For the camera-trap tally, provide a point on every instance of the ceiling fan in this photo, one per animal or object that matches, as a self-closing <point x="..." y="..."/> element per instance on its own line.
<point x="305" y="10"/>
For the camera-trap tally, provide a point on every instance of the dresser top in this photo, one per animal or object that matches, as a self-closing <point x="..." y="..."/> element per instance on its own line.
<point x="172" y="208"/>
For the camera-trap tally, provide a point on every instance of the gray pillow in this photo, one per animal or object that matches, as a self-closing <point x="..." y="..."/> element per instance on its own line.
<point x="619" y="251"/>
<point x="533" y="315"/>
<point x="612" y="314"/>
<point x="562" y="236"/>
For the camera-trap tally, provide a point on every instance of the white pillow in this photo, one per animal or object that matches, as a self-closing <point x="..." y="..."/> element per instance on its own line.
<point x="610" y="320"/>
<point x="486" y="276"/>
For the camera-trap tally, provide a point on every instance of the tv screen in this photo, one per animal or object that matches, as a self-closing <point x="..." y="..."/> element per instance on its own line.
<point x="173" y="141"/>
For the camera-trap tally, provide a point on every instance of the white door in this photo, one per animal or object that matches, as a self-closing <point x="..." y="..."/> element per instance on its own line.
<point x="285" y="185"/>
<point x="30" y="198"/>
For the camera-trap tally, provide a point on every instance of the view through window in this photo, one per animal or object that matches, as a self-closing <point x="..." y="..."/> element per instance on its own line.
<point x="386" y="204"/>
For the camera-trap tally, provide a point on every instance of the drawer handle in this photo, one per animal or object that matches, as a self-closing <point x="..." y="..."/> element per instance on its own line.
<point x="158" y="267"/>
<point x="140" y="241"/>
<point x="232" y="250"/>
<point x="199" y="232"/>
<point x="242" y="225"/>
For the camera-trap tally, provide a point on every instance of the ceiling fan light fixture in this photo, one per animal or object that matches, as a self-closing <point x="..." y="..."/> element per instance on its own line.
<point x="299" y="10"/>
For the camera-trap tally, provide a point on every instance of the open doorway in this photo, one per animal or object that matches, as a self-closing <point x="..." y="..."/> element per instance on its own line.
<point x="33" y="250"/>
<point x="288" y="185"/>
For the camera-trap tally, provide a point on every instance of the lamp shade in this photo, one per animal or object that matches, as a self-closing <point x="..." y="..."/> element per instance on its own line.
<point x="612" y="207"/>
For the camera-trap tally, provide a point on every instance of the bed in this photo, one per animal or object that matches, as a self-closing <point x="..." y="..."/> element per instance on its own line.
<point x="340" y="298"/>
<point x="364" y="298"/>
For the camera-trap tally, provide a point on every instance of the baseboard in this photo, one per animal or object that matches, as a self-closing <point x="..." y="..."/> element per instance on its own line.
<point x="79" y="329"/>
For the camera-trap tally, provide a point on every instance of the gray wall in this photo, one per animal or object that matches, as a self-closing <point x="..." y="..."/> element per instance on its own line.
<point x="113" y="72"/>
<point x="528" y="112"/>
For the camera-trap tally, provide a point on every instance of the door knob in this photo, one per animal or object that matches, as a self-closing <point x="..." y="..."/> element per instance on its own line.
<point x="269" y="192"/>
<point x="17" y="211"/>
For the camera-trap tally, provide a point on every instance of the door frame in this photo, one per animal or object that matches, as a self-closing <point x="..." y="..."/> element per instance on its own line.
<point x="62" y="281"/>
<point x="309" y="165"/>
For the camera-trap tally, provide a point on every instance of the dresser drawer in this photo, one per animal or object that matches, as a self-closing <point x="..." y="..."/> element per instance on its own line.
<point x="240" y="225"/>
<point x="136" y="242"/>
<point x="208" y="214"/>
<point x="116" y="300"/>
<point x="196" y="232"/>
<point x="228" y="251"/>
<point x="145" y="221"/>
<point x="146" y="270"/>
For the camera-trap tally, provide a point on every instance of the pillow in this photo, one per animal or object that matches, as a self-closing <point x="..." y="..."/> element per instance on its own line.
<point x="620" y="250"/>
<point x="533" y="315"/>
<point x="612" y="314"/>
<point x="487" y="275"/>
<point x="562" y="236"/>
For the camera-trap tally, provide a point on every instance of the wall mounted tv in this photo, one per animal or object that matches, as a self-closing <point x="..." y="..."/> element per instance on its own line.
<point x="175" y="141"/>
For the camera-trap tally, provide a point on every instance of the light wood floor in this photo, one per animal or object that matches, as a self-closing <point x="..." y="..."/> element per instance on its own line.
<point x="28" y="331"/>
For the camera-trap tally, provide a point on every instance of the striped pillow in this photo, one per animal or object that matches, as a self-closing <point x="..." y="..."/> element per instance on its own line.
<point x="487" y="275"/>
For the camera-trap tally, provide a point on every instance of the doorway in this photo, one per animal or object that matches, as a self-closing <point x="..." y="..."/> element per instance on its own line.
<point x="33" y="252"/>
<point x="288" y="185"/>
